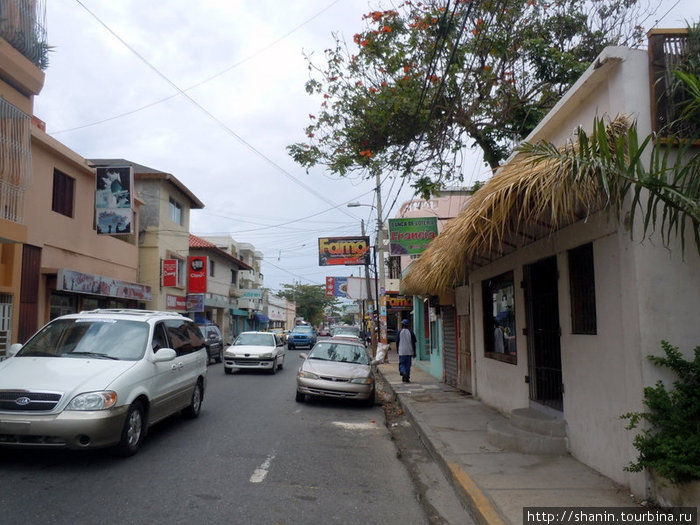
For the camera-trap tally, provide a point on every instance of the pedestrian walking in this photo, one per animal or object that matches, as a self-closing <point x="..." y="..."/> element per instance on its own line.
<point x="407" y="350"/>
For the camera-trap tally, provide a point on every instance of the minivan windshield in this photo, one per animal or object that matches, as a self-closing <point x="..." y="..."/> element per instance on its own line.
<point x="99" y="338"/>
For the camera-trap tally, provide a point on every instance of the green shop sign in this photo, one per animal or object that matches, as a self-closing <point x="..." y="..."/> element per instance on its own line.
<point x="411" y="236"/>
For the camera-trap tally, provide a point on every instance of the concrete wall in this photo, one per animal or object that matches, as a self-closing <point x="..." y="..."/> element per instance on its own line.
<point x="644" y="293"/>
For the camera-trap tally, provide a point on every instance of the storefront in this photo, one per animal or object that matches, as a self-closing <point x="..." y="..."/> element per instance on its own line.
<point x="75" y="291"/>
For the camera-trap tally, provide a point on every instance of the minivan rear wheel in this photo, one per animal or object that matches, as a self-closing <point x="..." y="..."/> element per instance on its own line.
<point x="192" y="411"/>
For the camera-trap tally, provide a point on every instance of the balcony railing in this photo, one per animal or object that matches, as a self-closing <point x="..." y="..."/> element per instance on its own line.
<point x="23" y="25"/>
<point x="15" y="160"/>
<point x="671" y="50"/>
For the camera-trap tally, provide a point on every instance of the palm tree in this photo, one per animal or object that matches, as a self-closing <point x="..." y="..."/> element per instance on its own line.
<point x="665" y="190"/>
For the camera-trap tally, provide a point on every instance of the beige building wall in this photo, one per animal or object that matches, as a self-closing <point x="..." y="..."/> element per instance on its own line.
<point x="70" y="242"/>
<point x="161" y="237"/>
<point x="20" y="81"/>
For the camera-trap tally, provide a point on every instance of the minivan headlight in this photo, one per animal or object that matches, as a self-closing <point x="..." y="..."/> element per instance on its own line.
<point x="93" y="401"/>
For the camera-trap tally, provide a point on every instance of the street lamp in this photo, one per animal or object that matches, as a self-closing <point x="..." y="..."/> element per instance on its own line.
<point x="381" y="298"/>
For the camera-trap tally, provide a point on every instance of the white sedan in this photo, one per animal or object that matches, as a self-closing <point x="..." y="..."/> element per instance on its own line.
<point x="255" y="350"/>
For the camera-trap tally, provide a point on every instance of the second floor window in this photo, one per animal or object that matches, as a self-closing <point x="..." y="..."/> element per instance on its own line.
<point x="212" y="272"/>
<point x="63" y="190"/>
<point x="175" y="211"/>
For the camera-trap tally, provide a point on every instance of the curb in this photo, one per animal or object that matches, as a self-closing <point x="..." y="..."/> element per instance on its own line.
<point x="472" y="496"/>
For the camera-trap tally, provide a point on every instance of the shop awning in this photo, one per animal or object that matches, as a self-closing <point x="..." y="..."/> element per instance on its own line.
<point x="261" y="318"/>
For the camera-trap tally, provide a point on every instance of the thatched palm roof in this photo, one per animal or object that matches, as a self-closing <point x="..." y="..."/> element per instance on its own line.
<point x="527" y="199"/>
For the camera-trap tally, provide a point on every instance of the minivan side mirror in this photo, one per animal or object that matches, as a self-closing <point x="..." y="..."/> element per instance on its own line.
<point x="14" y="348"/>
<point x="164" y="354"/>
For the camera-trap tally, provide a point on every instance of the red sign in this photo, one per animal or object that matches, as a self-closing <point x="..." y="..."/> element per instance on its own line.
<point x="197" y="274"/>
<point x="330" y="286"/>
<point x="169" y="272"/>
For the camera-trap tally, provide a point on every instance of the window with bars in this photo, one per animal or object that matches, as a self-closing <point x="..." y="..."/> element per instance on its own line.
<point x="582" y="290"/>
<point x="63" y="191"/>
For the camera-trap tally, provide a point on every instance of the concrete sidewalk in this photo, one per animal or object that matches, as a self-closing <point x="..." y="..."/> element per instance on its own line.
<point x="495" y="484"/>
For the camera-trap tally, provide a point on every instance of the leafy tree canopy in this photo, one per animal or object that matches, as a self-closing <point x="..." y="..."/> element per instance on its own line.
<point x="312" y="302"/>
<point x="425" y="81"/>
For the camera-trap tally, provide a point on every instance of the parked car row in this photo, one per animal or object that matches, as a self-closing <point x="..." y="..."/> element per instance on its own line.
<point x="101" y="378"/>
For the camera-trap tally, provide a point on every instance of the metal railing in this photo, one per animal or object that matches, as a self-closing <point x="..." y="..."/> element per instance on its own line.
<point x="15" y="160"/>
<point x="669" y="51"/>
<point x="23" y="25"/>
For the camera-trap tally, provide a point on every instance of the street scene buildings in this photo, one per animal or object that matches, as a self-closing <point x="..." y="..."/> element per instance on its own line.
<point x="536" y="297"/>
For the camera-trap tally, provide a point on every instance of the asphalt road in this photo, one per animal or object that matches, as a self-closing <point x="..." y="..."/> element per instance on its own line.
<point x="254" y="456"/>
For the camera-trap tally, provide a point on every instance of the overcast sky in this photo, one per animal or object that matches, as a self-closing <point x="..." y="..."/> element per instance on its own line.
<point x="113" y="89"/>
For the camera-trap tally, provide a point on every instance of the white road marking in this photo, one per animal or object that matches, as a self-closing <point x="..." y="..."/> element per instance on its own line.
<point x="355" y="426"/>
<point x="260" y="473"/>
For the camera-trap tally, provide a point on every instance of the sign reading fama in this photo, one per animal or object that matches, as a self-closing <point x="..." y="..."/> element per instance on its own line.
<point x="335" y="251"/>
<point x="411" y="236"/>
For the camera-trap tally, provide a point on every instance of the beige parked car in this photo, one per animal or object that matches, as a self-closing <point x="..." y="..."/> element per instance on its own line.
<point x="100" y="379"/>
<point x="338" y="368"/>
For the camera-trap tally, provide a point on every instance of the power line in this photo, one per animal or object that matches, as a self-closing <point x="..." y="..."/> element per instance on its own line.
<point x="201" y="82"/>
<point x="216" y="120"/>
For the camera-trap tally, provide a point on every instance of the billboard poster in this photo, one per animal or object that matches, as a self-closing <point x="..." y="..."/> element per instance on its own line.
<point x="195" y="302"/>
<point x="169" y="272"/>
<point x="196" y="274"/>
<point x="336" y="286"/>
<point x="343" y="251"/>
<point x="114" y="200"/>
<point x="412" y="235"/>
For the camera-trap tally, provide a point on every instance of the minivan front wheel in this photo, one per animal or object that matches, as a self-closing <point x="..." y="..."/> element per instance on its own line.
<point x="133" y="432"/>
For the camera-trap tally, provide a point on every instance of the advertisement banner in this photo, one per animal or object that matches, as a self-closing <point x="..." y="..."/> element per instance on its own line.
<point x="78" y="282"/>
<point x="169" y="272"/>
<point x="175" y="302"/>
<point x="336" y="286"/>
<point x="399" y="302"/>
<point x="196" y="274"/>
<point x="338" y="251"/>
<point x="411" y="236"/>
<point x="195" y="302"/>
<point x="114" y="200"/>
<point x="357" y="288"/>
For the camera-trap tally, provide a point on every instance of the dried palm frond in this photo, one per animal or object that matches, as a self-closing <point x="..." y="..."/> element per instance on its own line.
<point x="544" y="188"/>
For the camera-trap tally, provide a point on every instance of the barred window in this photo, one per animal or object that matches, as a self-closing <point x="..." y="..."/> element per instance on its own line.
<point x="63" y="190"/>
<point x="582" y="290"/>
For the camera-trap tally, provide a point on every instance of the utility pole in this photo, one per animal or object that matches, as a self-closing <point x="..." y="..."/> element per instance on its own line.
<point x="382" y="278"/>
<point x="368" y="300"/>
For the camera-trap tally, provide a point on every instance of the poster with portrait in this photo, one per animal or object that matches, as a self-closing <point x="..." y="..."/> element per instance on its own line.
<point x="114" y="200"/>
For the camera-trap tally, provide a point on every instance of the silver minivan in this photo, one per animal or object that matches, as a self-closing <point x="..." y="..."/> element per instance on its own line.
<point x="100" y="379"/>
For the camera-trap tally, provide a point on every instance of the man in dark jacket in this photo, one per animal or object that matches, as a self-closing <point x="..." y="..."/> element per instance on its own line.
<point x="407" y="350"/>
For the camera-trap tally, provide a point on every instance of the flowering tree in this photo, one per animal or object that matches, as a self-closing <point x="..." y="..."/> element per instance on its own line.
<point x="423" y="82"/>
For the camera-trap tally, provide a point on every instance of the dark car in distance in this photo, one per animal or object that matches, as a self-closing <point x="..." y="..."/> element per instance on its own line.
<point x="213" y="340"/>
